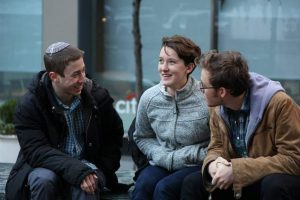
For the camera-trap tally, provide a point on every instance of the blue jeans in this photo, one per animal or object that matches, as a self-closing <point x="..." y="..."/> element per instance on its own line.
<point x="45" y="184"/>
<point x="158" y="183"/>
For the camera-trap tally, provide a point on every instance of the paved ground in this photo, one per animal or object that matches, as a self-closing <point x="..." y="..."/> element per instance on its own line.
<point x="4" y="171"/>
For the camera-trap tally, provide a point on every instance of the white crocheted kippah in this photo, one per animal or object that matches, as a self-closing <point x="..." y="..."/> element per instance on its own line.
<point x="56" y="47"/>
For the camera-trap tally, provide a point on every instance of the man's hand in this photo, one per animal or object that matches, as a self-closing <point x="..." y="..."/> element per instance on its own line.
<point x="223" y="178"/>
<point x="212" y="167"/>
<point x="89" y="183"/>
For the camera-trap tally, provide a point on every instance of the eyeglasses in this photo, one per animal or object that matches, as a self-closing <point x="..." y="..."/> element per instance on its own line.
<point x="203" y="88"/>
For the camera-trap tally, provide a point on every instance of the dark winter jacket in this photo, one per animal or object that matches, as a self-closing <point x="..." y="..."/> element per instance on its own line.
<point x="41" y="128"/>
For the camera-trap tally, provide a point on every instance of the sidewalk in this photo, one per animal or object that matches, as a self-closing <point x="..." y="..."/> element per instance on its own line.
<point x="4" y="172"/>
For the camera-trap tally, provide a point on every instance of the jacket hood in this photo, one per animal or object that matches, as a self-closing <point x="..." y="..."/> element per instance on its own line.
<point x="36" y="81"/>
<point x="262" y="90"/>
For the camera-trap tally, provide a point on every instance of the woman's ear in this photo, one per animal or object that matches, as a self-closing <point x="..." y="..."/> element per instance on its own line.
<point x="190" y="67"/>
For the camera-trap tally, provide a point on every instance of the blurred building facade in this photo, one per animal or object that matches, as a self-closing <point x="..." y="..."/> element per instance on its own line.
<point x="267" y="32"/>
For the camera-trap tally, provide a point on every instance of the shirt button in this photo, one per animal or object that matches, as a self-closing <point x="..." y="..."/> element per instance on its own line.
<point x="238" y="195"/>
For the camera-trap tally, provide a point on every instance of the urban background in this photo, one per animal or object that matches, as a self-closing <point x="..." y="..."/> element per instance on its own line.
<point x="267" y="32"/>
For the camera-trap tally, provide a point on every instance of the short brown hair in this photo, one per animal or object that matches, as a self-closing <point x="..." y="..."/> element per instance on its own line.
<point x="58" y="61"/>
<point x="185" y="48"/>
<point x="228" y="69"/>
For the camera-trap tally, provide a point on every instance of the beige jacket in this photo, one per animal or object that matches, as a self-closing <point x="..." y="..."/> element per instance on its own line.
<point x="274" y="146"/>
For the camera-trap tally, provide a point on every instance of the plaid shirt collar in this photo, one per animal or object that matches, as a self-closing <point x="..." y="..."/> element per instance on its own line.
<point x="72" y="107"/>
<point x="244" y="108"/>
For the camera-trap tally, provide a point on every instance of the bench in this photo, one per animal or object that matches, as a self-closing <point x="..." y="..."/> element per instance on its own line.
<point x="124" y="176"/>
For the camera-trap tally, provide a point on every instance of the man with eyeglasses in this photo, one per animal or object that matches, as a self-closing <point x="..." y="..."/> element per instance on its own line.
<point x="254" y="151"/>
<point x="70" y="134"/>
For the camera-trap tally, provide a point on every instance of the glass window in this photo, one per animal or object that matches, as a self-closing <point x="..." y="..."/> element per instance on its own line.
<point x="20" y="50"/>
<point x="157" y="19"/>
<point x="267" y="33"/>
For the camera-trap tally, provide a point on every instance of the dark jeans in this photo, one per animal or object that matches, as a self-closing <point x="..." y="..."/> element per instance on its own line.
<point x="271" y="187"/>
<point x="160" y="184"/>
<point x="45" y="184"/>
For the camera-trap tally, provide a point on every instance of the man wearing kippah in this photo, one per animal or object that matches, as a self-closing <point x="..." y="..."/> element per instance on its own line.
<point x="70" y="134"/>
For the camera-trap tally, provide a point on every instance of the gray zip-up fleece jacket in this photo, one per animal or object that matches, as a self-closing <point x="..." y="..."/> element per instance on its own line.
<point x="173" y="132"/>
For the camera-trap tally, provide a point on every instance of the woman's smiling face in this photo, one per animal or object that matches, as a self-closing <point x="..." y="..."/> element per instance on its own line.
<point x="173" y="72"/>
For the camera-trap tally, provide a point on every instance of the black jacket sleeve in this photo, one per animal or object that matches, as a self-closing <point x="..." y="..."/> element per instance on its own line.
<point x="111" y="138"/>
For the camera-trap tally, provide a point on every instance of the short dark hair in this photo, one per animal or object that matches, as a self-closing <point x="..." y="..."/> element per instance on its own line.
<point x="185" y="48"/>
<point x="228" y="69"/>
<point x="57" y="62"/>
